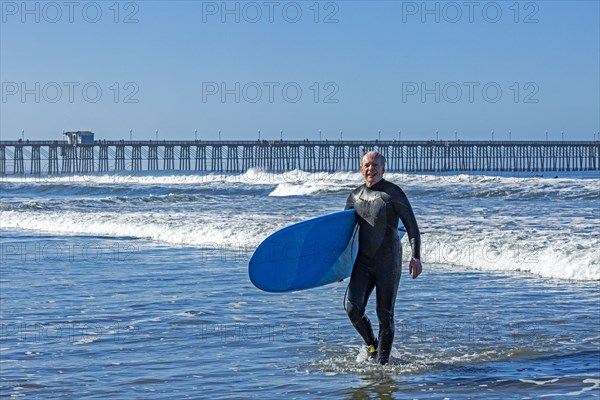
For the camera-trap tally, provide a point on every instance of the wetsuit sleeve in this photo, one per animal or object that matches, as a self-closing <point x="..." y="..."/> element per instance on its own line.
<point x="350" y="202"/>
<point x="405" y="212"/>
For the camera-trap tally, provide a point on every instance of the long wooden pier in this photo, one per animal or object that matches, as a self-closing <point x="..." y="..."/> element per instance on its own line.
<point x="60" y="157"/>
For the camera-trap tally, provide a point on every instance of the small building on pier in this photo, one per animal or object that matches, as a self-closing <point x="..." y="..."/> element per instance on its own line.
<point x="79" y="137"/>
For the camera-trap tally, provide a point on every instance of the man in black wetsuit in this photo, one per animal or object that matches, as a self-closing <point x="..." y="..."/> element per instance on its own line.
<point x="379" y="205"/>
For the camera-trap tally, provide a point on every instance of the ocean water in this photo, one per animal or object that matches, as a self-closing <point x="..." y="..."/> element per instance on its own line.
<point x="136" y="286"/>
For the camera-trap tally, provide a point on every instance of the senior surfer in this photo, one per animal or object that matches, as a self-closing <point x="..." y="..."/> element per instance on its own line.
<point x="379" y="205"/>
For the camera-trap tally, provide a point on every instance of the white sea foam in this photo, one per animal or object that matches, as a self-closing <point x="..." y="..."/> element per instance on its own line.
<point x="402" y="361"/>
<point x="558" y="256"/>
<point x="491" y="223"/>
<point x="595" y="385"/>
<point x="547" y="256"/>
<point x="309" y="188"/>
<point x="252" y="176"/>
<point x="539" y="382"/>
<point x="260" y="176"/>
<point x="460" y="185"/>
<point x="300" y="183"/>
<point x="159" y="227"/>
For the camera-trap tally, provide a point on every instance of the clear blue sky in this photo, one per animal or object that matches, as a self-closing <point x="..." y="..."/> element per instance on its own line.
<point x="361" y="66"/>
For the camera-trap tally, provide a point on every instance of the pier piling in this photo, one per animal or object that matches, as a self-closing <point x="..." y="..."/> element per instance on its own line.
<point x="44" y="157"/>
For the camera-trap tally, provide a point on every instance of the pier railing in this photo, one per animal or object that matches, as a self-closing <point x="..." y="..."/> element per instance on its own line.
<point x="47" y="157"/>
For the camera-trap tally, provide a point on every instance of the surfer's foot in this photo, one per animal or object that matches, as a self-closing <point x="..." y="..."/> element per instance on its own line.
<point x="372" y="350"/>
<point x="382" y="361"/>
<point x="383" y="357"/>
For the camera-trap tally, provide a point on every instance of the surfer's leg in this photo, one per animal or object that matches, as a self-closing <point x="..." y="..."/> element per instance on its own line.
<point x="387" y="280"/>
<point x="359" y="289"/>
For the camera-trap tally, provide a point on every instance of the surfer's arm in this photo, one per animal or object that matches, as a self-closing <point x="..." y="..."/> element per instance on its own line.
<point x="405" y="212"/>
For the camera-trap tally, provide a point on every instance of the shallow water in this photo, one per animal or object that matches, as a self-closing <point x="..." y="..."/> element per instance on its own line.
<point x="139" y="320"/>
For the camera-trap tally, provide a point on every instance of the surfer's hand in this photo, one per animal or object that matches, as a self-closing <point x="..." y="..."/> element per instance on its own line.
<point x="415" y="267"/>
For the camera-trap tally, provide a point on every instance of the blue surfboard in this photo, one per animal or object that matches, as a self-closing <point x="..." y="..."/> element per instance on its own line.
<point x="307" y="254"/>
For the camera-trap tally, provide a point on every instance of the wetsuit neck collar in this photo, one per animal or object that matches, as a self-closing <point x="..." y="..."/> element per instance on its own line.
<point x="376" y="186"/>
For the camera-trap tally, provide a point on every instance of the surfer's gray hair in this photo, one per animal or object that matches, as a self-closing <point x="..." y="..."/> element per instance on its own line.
<point x="378" y="156"/>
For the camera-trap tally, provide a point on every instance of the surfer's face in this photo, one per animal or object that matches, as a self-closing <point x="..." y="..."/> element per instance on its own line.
<point x="371" y="168"/>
